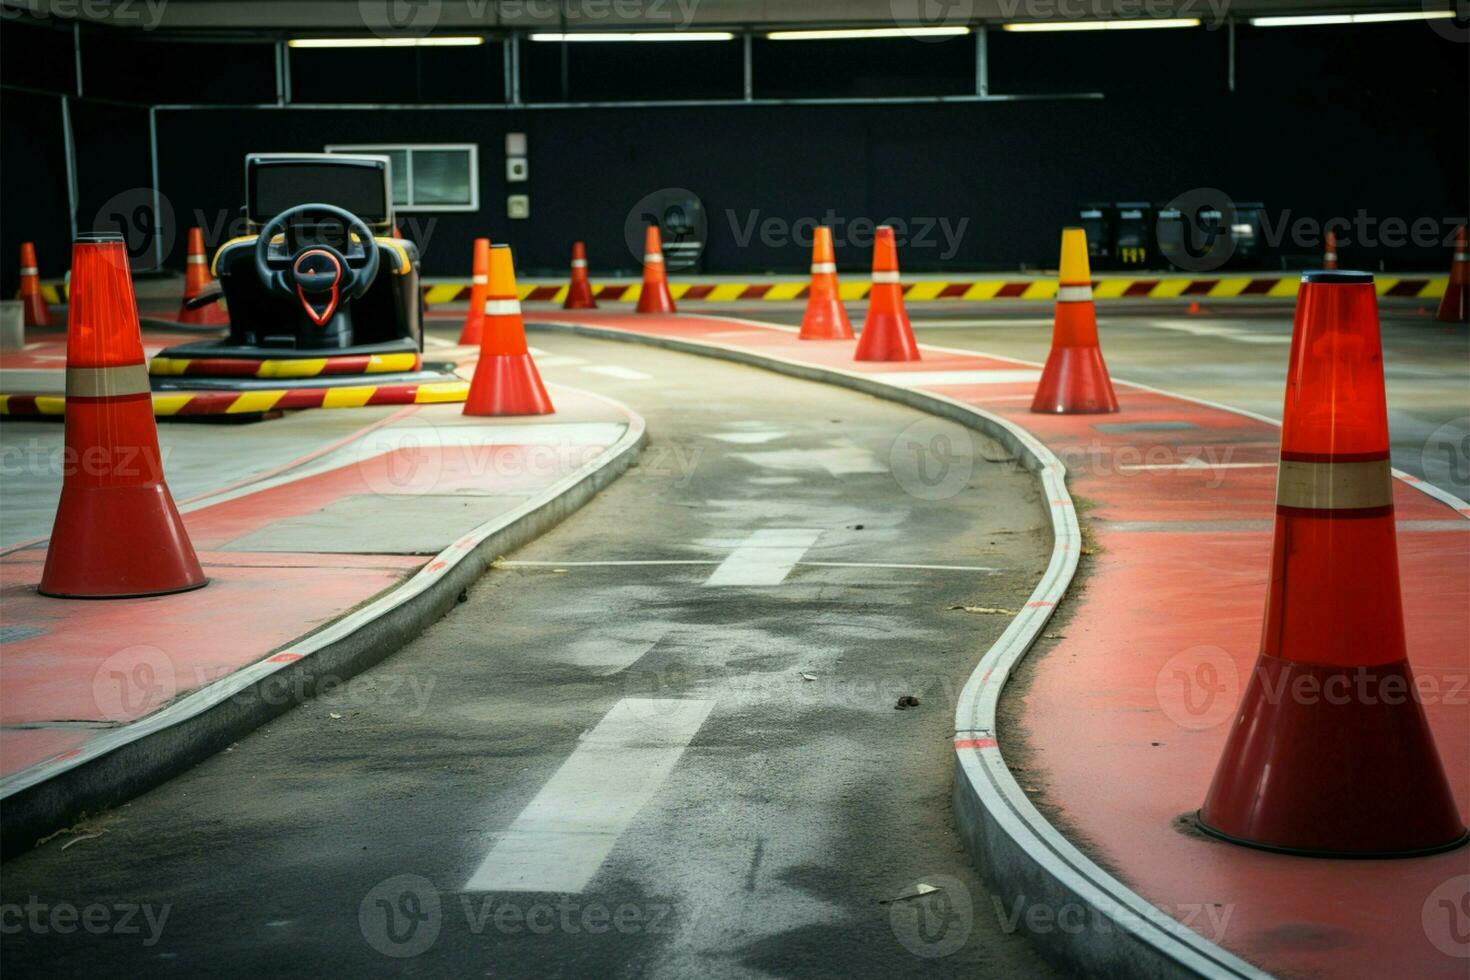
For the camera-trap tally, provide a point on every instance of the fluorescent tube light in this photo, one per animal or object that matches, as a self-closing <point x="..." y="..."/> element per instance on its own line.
<point x="1315" y="20"/>
<point x="1101" y="25"/>
<point x="846" y="33"/>
<point x="638" y="36"/>
<point x="385" y="42"/>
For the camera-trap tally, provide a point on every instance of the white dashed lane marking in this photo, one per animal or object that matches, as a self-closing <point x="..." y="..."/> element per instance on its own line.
<point x="616" y="371"/>
<point x="764" y="558"/>
<point x="837" y="460"/>
<point x="563" y="836"/>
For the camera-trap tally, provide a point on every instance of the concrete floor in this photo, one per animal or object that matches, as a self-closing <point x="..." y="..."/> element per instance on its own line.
<point x="1236" y="354"/>
<point x="702" y="665"/>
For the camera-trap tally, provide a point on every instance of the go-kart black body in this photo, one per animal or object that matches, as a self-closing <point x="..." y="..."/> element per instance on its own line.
<point x="312" y="288"/>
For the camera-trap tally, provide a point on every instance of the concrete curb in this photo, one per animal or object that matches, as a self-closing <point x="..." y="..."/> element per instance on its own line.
<point x="130" y="760"/>
<point x="1094" y="923"/>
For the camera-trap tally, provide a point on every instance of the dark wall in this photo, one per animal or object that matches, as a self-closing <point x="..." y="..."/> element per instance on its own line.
<point x="1013" y="172"/>
<point x="1324" y="123"/>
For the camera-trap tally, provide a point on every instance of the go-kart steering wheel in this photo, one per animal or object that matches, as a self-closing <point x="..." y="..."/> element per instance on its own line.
<point x="315" y="274"/>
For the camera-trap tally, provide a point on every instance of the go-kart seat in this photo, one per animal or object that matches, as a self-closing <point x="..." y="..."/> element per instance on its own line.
<point x="387" y="317"/>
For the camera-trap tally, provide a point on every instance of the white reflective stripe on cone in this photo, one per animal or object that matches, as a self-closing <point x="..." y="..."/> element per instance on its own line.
<point x="1074" y="294"/>
<point x="502" y="307"/>
<point x="196" y="260"/>
<point x="1462" y="256"/>
<point x="29" y="270"/>
<point x="1334" y="486"/>
<point x="107" y="382"/>
<point x="653" y="257"/>
<point x="820" y="267"/>
<point x="579" y="263"/>
<point x="886" y="277"/>
<point x="480" y="280"/>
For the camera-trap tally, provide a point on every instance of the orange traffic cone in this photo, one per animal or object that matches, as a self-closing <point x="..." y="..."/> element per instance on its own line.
<point x="887" y="334"/>
<point x="1329" y="251"/>
<point x="825" y="318"/>
<point x="117" y="533"/>
<point x="1454" y="306"/>
<point x="654" y="297"/>
<point x="1075" y="379"/>
<point x="506" y="381"/>
<point x="36" y="312"/>
<point x="474" y="320"/>
<point x="579" y="292"/>
<point x="1330" y="753"/>
<point x="196" y="280"/>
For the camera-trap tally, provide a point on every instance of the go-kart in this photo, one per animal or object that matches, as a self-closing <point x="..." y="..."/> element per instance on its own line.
<point x="317" y="289"/>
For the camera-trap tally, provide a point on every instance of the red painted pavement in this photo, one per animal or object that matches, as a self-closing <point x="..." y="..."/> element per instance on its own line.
<point x="106" y="662"/>
<point x="1122" y="735"/>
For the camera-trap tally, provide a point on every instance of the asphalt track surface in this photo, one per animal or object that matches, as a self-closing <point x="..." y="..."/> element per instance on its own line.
<point x="1234" y="353"/>
<point x="659" y="741"/>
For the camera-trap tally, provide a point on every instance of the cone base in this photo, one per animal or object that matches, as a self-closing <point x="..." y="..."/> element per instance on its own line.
<point x="579" y="297"/>
<point x="825" y="320"/>
<point x="1075" y="382"/>
<point x="507" y="384"/>
<point x="35" y="311"/>
<point x="1454" y="306"/>
<point x="473" y="330"/>
<point x="656" y="299"/>
<point x="1205" y="828"/>
<point x="1332" y="761"/>
<point x="887" y="337"/>
<point x="143" y="551"/>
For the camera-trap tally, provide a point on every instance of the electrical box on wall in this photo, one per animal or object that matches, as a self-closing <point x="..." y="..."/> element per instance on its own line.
<point x="517" y="167"/>
<point x="518" y="206"/>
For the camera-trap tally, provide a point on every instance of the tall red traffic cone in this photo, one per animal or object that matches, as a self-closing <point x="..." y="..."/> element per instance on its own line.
<point x="887" y="334"/>
<point x="196" y="280"/>
<point x="474" y="320"/>
<point x="506" y="381"/>
<point x="1075" y="379"/>
<point x="36" y="312"/>
<point x="1330" y="753"/>
<point x="1329" y="251"/>
<point x="654" y="297"/>
<point x="117" y="532"/>
<point x="1454" y="306"/>
<point x="826" y="318"/>
<point x="579" y="292"/>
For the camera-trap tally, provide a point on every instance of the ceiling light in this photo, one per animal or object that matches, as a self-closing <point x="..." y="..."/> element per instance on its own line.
<point x="1102" y="25"/>
<point x="864" y="32"/>
<point x="638" y="36"/>
<point x="385" y="42"/>
<point x="1314" y="20"/>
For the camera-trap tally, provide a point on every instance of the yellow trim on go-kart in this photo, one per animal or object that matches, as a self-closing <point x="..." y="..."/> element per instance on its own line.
<point x="404" y="263"/>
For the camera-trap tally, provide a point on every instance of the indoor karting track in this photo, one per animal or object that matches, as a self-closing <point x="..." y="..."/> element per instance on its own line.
<point x="845" y="570"/>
